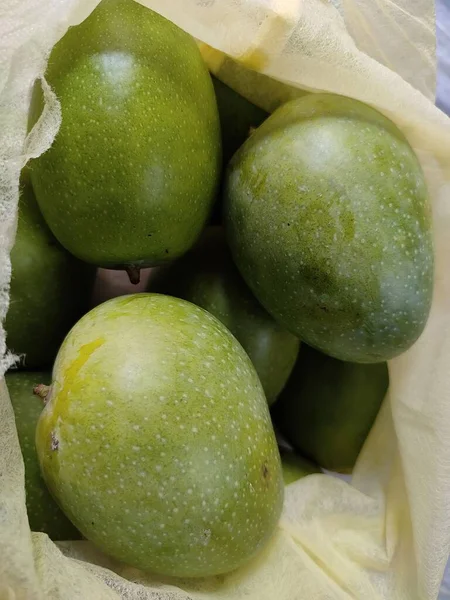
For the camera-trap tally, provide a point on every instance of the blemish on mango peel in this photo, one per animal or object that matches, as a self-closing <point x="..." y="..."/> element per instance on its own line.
<point x="72" y="371"/>
<point x="84" y="354"/>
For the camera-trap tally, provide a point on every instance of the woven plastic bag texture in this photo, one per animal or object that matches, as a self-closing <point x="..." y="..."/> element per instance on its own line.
<point x="385" y="537"/>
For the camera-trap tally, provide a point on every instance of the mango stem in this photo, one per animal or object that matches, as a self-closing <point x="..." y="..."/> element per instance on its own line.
<point x="134" y="274"/>
<point x="42" y="391"/>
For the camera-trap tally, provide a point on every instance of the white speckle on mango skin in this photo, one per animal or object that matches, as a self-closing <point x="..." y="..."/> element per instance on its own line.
<point x="128" y="352"/>
<point x="327" y="217"/>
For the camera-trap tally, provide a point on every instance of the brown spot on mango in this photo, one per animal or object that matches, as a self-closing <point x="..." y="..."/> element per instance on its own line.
<point x="54" y="442"/>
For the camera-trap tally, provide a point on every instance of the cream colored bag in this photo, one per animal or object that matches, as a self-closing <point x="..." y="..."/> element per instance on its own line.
<point x="387" y="536"/>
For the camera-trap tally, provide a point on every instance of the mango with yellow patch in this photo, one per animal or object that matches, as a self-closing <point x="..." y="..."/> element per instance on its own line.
<point x="157" y="440"/>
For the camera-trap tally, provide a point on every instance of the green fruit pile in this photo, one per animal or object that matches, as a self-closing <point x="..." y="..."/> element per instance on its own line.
<point x="207" y="277"/>
<point x="153" y="436"/>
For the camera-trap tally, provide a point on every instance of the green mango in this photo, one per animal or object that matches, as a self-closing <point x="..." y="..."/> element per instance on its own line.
<point x="50" y="289"/>
<point x="208" y="277"/>
<point x="329" y="406"/>
<point x="131" y="178"/>
<point x="43" y="512"/>
<point x="157" y="441"/>
<point x="327" y="217"/>
<point x="238" y="117"/>
<point x="296" y="467"/>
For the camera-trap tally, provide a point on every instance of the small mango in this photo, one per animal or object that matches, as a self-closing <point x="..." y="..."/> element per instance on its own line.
<point x="50" y="288"/>
<point x="328" y="407"/>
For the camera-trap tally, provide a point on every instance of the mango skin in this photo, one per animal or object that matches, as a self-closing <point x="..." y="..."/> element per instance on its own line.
<point x="238" y="117"/>
<point x="207" y="277"/>
<point x="50" y="288"/>
<point x="157" y="440"/>
<point x="131" y="177"/>
<point x="327" y="218"/>
<point x="43" y="512"/>
<point x="328" y="407"/>
<point x="296" y="467"/>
